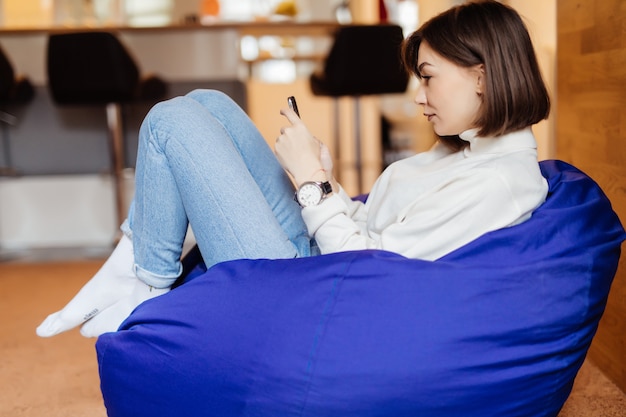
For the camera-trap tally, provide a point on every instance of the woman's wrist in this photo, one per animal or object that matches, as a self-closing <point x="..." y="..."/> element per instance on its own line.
<point x="318" y="175"/>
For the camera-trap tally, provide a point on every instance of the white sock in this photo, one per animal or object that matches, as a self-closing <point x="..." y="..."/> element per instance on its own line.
<point x="114" y="281"/>
<point x="110" y="319"/>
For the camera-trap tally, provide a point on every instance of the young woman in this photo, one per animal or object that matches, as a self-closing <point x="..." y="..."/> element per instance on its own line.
<point x="202" y="162"/>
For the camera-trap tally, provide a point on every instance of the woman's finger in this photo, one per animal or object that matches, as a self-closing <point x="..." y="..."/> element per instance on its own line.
<point x="290" y="115"/>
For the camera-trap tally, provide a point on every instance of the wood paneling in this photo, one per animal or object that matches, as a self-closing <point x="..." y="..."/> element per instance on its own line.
<point x="591" y="134"/>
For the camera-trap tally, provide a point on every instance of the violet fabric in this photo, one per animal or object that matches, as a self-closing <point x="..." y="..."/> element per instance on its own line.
<point x="499" y="327"/>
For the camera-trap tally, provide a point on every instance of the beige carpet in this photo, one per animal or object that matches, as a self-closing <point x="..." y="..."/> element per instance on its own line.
<point x="594" y="395"/>
<point x="58" y="377"/>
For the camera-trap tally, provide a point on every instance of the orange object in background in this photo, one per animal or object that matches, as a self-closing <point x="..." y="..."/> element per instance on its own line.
<point x="209" y="9"/>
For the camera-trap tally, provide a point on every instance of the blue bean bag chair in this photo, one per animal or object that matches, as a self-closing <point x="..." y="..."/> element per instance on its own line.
<point x="499" y="327"/>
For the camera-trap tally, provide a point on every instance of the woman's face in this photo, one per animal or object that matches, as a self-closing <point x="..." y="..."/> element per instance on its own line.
<point x="450" y="94"/>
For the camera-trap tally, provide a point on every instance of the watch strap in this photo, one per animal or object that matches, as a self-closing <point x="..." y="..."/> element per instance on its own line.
<point x="327" y="188"/>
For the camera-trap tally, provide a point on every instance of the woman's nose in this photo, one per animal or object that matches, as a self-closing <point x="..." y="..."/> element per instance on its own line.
<point x="420" y="96"/>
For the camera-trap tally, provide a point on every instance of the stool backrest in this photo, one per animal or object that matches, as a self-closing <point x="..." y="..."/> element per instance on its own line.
<point x="7" y="76"/>
<point x="90" y="68"/>
<point x="14" y="88"/>
<point x="365" y="59"/>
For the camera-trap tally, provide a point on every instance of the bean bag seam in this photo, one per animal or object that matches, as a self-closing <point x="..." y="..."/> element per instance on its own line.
<point x="322" y="326"/>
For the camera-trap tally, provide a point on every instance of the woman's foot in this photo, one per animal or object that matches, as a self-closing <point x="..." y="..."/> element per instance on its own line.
<point x="111" y="318"/>
<point x="114" y="281"/>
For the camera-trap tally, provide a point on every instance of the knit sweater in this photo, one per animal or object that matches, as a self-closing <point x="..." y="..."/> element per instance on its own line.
<point x="428" y="205"/>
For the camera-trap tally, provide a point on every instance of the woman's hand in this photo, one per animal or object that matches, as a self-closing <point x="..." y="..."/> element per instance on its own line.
<point x="303" y="156"/>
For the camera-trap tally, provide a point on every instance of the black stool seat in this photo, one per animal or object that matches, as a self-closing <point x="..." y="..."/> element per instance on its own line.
<point x="363" y="60"/>
<point x="15" y="90"/>
<point x="96" y="68"/>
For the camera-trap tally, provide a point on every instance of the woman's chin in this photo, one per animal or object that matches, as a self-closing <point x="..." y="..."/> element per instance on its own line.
<point x="443" y="132"/>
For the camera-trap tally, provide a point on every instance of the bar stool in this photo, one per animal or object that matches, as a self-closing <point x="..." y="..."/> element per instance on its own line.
<point x="15" y="90"/>
<point x="94" y="68"/>
<point x="363" y="60"/>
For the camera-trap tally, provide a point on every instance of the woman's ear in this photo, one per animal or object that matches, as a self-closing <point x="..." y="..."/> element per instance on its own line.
<point x="479" y="72"/>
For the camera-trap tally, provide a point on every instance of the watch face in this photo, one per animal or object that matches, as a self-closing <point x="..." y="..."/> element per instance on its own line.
<point x="309" y="194"/>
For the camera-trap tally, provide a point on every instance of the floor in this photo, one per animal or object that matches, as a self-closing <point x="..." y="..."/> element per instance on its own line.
<point x="58" y="377"/>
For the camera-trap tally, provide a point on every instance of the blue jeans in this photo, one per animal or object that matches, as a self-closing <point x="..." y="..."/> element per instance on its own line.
<point x="202" y="162"/>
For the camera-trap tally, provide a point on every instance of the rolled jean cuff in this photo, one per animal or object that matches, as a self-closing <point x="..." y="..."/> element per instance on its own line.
<point x="154" y="280"/>
<point x="125" y="228"/>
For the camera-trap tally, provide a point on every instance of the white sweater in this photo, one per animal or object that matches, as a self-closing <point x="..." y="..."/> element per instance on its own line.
<point x="428" y="205"/>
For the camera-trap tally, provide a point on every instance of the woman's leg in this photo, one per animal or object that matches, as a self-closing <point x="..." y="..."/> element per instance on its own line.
<point x="269" y="177"/>
<point x="200" y="158"/>
<point x="207" y="158"/>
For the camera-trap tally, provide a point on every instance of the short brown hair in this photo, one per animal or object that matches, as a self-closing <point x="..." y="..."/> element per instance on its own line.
<point x="493" y="34"/>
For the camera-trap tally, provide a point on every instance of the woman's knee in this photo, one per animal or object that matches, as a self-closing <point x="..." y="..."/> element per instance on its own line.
<point x="209" y="99"/>
<point x="212" y="99"/>
<point x="158" y="111"/>
<point x="166" y="107"/>
<point x="165" y="116"/>
<point x="205" y="94"/>
<point x="169" y="112"/>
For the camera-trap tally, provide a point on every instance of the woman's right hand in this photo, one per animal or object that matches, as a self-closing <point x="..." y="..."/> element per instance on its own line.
<point x="299" y="152"/>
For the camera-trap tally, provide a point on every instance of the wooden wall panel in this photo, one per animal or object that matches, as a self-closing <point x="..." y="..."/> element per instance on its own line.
<point x="591" y="134"/>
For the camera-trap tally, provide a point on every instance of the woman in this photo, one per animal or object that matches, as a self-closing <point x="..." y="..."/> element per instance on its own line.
<point x="202" y="162"/>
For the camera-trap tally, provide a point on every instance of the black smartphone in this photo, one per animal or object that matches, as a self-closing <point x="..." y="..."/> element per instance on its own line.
<point x="291" y="100"/>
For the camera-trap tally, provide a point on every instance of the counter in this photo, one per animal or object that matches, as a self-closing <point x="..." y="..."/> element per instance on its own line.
<point x="162" y="49"/>
<point x="64" y="149"/>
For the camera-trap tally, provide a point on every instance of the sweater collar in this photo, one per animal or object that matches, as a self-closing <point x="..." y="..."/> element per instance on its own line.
<point x="510" y="142"/>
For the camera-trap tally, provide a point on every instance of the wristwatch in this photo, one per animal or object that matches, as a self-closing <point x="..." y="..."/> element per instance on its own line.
<point x="312" y="193"/>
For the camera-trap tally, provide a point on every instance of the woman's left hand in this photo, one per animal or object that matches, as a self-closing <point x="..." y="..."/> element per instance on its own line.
<point x="298" y="151"/>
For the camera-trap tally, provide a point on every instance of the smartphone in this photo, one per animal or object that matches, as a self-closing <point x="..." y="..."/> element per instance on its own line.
<point x="291" y="100"/>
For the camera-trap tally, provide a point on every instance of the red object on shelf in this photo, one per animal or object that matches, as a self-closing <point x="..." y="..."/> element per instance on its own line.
<point x="382" y="11"/>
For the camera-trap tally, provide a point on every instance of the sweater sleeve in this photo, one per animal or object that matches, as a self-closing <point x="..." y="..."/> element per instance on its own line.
<point x="434" y="224"/>
<point x="338" y="209"/>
